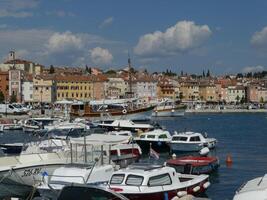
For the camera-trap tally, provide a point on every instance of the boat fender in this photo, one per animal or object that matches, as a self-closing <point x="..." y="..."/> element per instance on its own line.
<point x="206" y="185"/>
<point x="124" y="111"/>
<point x="204" y="151"/>
<point x="196" y="189"/>
<point x="166" y="196"/>
<point x="181" y="193"/>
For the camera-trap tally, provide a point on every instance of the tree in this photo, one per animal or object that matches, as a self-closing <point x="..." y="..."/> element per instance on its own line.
<point x="203" y="73"/>
<point x="239" y="75"/>
<point x="181" y="96"/>
<point x="208" y="73"/>
<point x="182" y="73"/>
<point x="237" y="98"/>
<point x="52" y="69"/>
<point x="261" y="100"/>
<point x="13" y="98"/>
<point x="2" y="97"/>
<point x="243" y="100"/>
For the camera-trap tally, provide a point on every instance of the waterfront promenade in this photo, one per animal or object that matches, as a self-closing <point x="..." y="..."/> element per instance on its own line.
<point x="226" y="111"/>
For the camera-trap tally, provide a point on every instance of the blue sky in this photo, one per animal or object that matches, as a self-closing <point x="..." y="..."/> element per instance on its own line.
<point x="189" y="35"/>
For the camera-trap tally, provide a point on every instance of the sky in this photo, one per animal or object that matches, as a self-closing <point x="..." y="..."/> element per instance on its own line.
<point x="225" y="37"/>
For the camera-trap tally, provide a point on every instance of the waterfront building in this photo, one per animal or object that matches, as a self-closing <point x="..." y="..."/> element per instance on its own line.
<point x="44" y="89"/>
<point x="118" y="87"/>
<point x="74" y="87"/>
<point x="4" y="84"/>
<point x="24" y="65"/>
<point x="144" y="87"/>
<point x="208" y="92"/>
<point x="190" y="90"/>
<point x="15" y="84"/>
<point x="252" y="93"/>
<point x="235" y="94"/>
<point x="27" y="89"/>
<point x="99" y="87"/>
<point x="166" y="89"/>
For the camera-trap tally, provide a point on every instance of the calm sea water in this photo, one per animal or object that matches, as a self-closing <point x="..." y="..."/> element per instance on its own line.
<point x="243" y="136"/>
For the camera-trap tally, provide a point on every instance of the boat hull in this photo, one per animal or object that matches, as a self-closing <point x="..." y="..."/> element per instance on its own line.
<point x="11" y="149"/>
<point x="138" y="114"/>
<point x="168" y="113"/>
<point x="186" y="147"/>
<point x="158" y="146"/>
<point x="167" y="194"/>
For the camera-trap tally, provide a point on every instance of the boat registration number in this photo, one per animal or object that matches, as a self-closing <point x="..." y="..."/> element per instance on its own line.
<point x="31" y="172"/>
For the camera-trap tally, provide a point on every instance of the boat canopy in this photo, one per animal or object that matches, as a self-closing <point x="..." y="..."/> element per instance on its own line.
<point x="98" y="139"/>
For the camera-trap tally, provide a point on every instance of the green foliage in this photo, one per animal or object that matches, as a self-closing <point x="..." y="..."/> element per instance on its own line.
<point x="13" y="98"/>
<point x="52" y="69"/>
<point x="2" y="97"/>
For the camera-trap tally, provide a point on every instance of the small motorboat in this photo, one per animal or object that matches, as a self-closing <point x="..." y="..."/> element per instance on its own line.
<point x="86" y="192"/>
<point x="155" y="182"/>
<point x="157" y="139"/>
<point x="253" y="189"/>
<point x="191" y="141"/>
<point x="169" y="108"/>
<point x="126" y="125"/>
<point x="194" y="164"/>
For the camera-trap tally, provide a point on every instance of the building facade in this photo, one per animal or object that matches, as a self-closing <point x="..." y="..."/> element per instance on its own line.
<point x="44" y="89"/>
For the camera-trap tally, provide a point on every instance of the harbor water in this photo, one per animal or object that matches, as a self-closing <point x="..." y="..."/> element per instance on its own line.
<point x="243" y="136"/>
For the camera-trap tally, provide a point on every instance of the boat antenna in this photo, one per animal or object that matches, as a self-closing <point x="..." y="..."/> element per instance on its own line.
<point x="130" y="75"/>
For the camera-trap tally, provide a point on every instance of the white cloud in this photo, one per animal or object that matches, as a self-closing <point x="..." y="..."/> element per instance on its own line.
<point x="183" y="36"/>
<point x="106" y="22"/>
<point x="257" y="68"/>
<point x="49" y="47"/>
<point x="60" y="42"/>
<point x="259" y="39"/>
<point x="17" y="8"/>
<point x="101" y="56"/>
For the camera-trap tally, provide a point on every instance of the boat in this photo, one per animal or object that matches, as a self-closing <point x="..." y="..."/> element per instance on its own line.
<point x="169" y="108"/>
<point x="86" y="192"/>
<point x="125" y="125"/>
<point x="114" y="108"/>
<point x="33" y="124"/>
<point x="11" y="148"/>
<point x="157" y="182"/>
<point x="96" y="169"/>
<point x="157" y="139"/>
<point x="253" y="189"/>
<point x="194" y="164"/>
<point x="19" y="174"/>
<point x="191" y="141"/>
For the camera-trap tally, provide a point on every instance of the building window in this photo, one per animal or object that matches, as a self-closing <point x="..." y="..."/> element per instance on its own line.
<point x="72" y="94"/>
<point x="77" y="95"/>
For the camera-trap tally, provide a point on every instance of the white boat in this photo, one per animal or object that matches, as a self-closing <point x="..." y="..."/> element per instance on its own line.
<point x="96" y="170"/>
<point x="141" y="182"/>
<point x="33" y="124"/>
<point x="18" y="174"/>
<point x="126" y="125"/>
<point x="157" y="139"/>
<point x="253" y="189"/>
<point x="10" y="127"/>
<point x="169" y="108"/>
<point x="67" y="126"/>
<point x="191" y="141"/>
<point x="11" y="109"/>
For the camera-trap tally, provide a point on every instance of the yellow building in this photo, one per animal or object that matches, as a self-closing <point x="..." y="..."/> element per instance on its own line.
<point x="208" y="92"/>
<point x="189" y="91"/>
<point x="74" y="87"/>
<point x="44" y="89"/>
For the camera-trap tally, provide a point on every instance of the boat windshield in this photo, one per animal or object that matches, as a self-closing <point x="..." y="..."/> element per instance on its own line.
<point x="117" y="179"/>
<point x="164" y="136"/>
<point x="179" y="138"/>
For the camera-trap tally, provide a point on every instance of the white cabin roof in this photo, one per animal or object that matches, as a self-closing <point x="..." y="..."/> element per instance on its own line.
<point x="99" y="139"/>
<point x="253" y="189"/>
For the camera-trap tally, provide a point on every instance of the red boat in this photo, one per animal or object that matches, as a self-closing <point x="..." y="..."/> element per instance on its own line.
<point x="194" y="164"/>
<point x="139" y="182"/>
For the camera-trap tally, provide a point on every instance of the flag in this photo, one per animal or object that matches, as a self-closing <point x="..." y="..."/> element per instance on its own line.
<point x="153" y="153"/>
